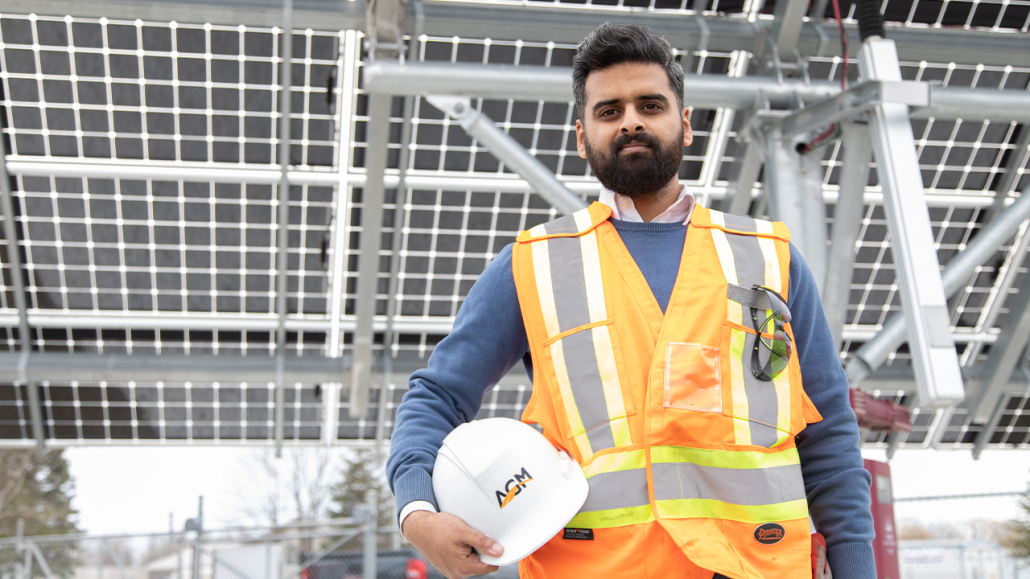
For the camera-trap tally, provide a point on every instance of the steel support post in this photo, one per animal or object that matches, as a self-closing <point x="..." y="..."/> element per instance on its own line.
<point x="396" y="242"/>
<point x="283" y="229"/>
<point x="793" y="185"/>
<point x="510" y="152"/>
<point x="1005" y="355"/>
<point x="783" y="35"/>
<point x="983" y="438"/>
<point x="743" y="174"/>
<point x="340" y="230"/>
<point x="923" y="298"/>
<point x="198" y="526"/>
<point x="20" y="302"/>
<point x="371" y="531"/>
<point x="954" y="277"/>
<point x="368" y="261"/>
<point x="1010" y="178"/>
<point x="847" y="223"/>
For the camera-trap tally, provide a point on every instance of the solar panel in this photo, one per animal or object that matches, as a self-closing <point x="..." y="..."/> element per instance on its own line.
<point x="179" y="259"/>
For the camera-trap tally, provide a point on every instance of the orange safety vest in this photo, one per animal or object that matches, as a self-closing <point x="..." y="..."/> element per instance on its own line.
<point x="691" y="460"/>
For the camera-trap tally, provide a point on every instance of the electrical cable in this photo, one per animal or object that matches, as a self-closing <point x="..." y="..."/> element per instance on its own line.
<point x="833" y="131"/>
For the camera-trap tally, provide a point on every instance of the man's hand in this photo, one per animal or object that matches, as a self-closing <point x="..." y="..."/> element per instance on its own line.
<point x="447" y="543"/>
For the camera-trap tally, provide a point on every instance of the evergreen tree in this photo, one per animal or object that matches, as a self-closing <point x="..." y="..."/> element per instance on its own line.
<point x="39" y="492"/>
<point x="362" y="471"/>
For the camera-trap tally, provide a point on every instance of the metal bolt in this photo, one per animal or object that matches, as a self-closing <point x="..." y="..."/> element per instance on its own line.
<point x="459" y="107"/>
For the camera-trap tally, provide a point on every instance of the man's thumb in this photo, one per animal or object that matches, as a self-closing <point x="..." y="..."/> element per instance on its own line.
<point x="484" y="544"/>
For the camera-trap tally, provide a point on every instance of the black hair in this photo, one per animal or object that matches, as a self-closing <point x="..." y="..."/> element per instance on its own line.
<point x="612" y="44"/>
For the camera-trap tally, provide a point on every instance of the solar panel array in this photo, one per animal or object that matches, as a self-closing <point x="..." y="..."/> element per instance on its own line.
<point x="180" y="259"/>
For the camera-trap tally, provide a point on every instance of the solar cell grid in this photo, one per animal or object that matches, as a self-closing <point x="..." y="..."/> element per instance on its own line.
<point x="96" y="88"/>
<point x="181" y="93"/>
<point x="132" y="246"/>
<point x="78" y="412"/>
<point x="174" y="341"/>
<point x="508" y="399"/>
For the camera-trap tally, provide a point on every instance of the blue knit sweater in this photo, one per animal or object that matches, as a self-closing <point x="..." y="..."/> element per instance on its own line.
<point x="489" y="339"/>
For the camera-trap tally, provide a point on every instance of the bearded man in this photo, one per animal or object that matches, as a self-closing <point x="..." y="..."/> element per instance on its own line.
<point x="710" y="321"/>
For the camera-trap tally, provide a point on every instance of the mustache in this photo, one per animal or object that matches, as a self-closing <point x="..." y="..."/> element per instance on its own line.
<point x="623" y="141"/>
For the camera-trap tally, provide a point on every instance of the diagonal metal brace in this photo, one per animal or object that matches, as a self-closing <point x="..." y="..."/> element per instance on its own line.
<point x="853" y="102"/>
<point x="509" y="151"/>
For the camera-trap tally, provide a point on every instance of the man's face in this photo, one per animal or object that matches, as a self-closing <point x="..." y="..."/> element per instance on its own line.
<point x="632" y="131"/>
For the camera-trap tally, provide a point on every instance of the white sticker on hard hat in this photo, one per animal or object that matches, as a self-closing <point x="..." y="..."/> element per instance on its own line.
<point x="506" y="480"/>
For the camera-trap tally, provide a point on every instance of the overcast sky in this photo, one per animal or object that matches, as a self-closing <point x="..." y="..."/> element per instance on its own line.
<point x="132" y="490"/>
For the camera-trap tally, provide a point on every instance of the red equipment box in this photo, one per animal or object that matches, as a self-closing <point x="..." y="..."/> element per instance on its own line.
<point x="885" y="545"/>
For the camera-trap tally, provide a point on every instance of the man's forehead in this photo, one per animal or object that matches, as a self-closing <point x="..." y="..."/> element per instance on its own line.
<point x="627" y="81"/>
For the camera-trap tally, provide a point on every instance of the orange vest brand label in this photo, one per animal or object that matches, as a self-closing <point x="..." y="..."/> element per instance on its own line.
<point x="769" y="533"/>
<point x="513" y="487"/>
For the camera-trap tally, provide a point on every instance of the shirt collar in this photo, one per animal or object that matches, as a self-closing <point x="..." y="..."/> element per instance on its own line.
<point x="624" y="209"/>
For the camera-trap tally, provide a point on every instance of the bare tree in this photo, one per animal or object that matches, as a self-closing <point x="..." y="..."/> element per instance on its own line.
<point x="293" y="488"/>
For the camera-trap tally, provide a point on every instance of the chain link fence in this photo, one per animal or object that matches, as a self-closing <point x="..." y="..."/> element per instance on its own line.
<point x="331" y="549"/>
<point x="958" y="559"/>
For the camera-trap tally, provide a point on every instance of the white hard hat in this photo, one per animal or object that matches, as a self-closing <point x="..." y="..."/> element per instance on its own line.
<point x="507" y="481"/>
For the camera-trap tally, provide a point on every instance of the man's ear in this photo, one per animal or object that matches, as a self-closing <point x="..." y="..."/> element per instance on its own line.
<point x="688" y="133"/>
<point x="581" y="146"/>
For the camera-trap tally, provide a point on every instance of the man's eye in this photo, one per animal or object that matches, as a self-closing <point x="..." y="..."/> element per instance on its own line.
<point x="652" y="106"/>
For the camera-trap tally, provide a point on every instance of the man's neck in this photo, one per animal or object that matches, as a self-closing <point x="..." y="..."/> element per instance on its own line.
<point x="654" y="204"/>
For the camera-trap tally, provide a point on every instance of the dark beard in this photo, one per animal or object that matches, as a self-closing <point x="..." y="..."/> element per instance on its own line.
<point x="637" y="174"/>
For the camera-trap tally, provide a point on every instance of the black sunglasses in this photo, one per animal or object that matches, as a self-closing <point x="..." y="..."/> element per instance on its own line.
<point x="771" y="336"/>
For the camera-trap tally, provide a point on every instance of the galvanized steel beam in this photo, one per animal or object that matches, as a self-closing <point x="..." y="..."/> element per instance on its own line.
<point x="372" y="198"/>
<point x="703" y="91"/>
<point x="1004" y="356"/>
<point x="793" y="185"/>
<point x="923" y="298"/>
<point x="510" y="152"/>
<point x="847" y="223"/>
<point x="282" y="237"/>
<point x="549" y="23"/>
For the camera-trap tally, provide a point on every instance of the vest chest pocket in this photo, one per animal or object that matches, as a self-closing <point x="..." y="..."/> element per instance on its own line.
<point x="586" y="367"/>
<point x="693" y="377"/>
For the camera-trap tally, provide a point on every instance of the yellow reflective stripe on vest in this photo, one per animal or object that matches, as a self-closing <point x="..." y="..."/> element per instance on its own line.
<point x="713" y="509"/>
<point x="616" y="462"/>
<point x="761" y="414"/>
<point x="618" y="492"/>
<point x="725" y="458"/>
<point x="612" y="518"/>
<point x="571" y="295"/>
<point x="735" y="485"/>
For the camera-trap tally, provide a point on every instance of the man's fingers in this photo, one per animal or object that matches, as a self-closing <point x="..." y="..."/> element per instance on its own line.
<point x="473" y="566"/>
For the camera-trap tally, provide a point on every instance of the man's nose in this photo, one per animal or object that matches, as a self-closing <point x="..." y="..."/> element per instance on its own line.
<point x="632" y="123"/>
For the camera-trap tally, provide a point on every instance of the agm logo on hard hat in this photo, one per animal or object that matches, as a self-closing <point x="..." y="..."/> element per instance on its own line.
<point x="513" y="487"/>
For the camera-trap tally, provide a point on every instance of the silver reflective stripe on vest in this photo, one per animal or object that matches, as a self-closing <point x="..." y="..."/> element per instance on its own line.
<point x="566" y="224"/>
<point x="749" y="260"/>
<point x="581" y="361"/>
<point x="616" y="490"/>
<point x="740" y="223"/>
<point x="571" y="292"/>
<point x="738" y="486"/>
<point x="568" y="282"/>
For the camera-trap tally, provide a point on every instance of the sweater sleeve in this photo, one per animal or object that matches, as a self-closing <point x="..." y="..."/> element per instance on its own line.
<point x="487" y="340"/>
<point x="836" y="481"/>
